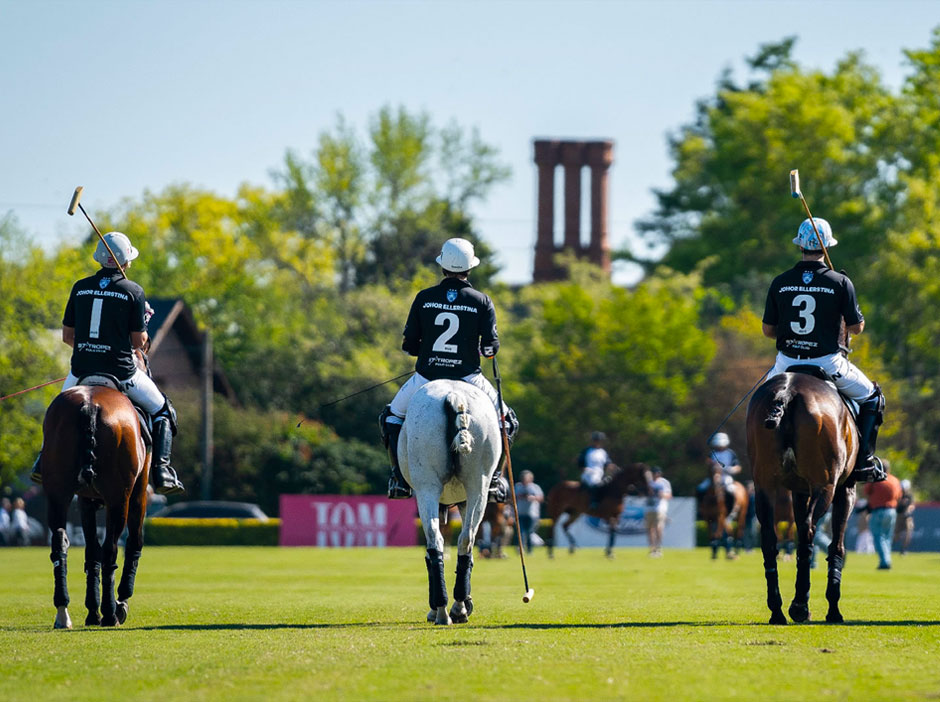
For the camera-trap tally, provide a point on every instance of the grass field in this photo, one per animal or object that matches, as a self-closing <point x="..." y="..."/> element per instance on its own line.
<point x="266" y="623"/>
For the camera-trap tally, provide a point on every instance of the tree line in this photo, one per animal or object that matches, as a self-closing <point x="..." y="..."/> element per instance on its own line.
<point x="305" y="285"/>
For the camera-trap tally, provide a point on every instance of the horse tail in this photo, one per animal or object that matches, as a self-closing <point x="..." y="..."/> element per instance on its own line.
<point x="459" y="438"/>
<point x="778" y="405"/>
<point x="88" y="415"/>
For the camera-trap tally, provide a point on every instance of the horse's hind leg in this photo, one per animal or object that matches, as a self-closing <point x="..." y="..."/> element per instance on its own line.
<point x="471" y="515"/>
<point x="116" y="520"/>
<point x="611" y="537"/>
<point x="137" y="508"/>
<point x="92" y="561"/>
<point x="59" y="556"/>
<point x="768" y="544"/>
<point x="842" y="505"/>
<point x="434" y="560"/>
<point x="803" y="514"/>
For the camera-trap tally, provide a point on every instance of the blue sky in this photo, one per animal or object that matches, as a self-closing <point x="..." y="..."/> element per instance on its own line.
<point x="123" y="96"/>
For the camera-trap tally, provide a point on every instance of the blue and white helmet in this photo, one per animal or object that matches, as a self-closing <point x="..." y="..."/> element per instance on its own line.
<point x="806" y="237"/>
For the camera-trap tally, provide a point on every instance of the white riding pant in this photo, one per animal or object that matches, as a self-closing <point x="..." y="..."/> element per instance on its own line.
<point x="402" y="399"/>
<point x="850" y="381"/>
<point x="139" y="387"/>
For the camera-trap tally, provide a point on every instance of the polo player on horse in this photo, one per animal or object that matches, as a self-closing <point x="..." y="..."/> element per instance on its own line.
<point x="105" y="320"/>
<point x="805" y="309"/>
<point x="448" y="327"/>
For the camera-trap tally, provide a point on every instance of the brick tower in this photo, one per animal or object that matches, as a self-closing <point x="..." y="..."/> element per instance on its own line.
<point x="573" y="156"/>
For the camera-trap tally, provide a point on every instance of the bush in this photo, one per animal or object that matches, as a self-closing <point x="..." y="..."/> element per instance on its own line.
<point x="211" y="532"/>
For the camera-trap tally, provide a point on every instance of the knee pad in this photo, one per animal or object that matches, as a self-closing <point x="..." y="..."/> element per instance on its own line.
<point x="512" y="424"/>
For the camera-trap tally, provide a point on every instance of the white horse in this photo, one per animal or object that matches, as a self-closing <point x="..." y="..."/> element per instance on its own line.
<point x="448" y="450"/>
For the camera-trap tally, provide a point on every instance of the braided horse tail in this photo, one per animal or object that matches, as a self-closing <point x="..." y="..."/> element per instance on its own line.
<point x="88" y="414"/>
<point x="778" y="406"/>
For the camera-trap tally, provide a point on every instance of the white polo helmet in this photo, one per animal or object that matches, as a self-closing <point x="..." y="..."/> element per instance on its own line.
<point x="806" y="237"/>
<point x="720" y="441"/>
<point x="120" y="245"/>
<point x="457" y="256"/>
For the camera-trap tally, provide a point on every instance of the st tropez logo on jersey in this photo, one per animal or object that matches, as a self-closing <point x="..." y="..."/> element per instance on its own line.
<point x="451" y="295"/>
<point x="104" y="282"/>
<point x="807" y="277"/>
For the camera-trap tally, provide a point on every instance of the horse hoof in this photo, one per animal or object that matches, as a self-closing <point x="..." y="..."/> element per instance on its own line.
<point x="799" y="612"/>
<point x="834" y="618"/>
<point x="468" y="603"/>
<point x="110" y="621"/>
<point x="777" y="618"/>
<point x="62" y="619"/>
<point x="93" y="619"/>
<point x="62" y="625"/>
<point x="458" y="617"/>
<point x="121" y="611"/>
<point x="432" y="615"/>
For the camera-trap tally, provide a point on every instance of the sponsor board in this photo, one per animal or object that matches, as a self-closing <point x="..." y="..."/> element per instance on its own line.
<point x="347" y="520"/>
<point x="631" y="528"/>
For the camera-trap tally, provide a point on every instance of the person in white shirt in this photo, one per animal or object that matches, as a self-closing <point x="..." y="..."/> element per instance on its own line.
<point x="593" y="462"/>
<point x="657" y="505"/>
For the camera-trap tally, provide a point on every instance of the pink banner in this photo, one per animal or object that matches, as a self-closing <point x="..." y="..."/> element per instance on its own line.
<point x="341" y="521"/>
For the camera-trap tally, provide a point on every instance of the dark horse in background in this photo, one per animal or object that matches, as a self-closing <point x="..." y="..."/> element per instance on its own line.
<point x="802" y="437"/>
<point x="571" y="499"/>
<point x="94" y="447"/>
<point x="713" y="508"/>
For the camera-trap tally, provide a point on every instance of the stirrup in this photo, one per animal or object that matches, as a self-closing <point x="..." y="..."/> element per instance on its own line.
<point x="397" y="491"/>
<point x="36" y="476"/>
<point x="872" y="472"/>
<point x="497" y="493"/>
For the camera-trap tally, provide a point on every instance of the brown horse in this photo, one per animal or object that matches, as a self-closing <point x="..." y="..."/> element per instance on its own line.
<point x="713" y="508"/>
<point x="570" y="498"/>
<point x="801" y="437"/>
<point x="93" y="447"/>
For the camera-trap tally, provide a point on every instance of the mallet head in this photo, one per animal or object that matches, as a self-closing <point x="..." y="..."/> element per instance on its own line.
<point x="795" y="183"/>
<point x="529" y="594"/>
<point x="76" y="196"/>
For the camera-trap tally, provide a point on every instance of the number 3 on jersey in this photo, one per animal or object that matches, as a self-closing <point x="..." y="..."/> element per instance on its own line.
<point x="453" y="324"/>
<point x="807" y="305"/>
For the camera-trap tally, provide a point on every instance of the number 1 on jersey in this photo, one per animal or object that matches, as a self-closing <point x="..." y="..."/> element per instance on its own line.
<point x="94" y="325"/>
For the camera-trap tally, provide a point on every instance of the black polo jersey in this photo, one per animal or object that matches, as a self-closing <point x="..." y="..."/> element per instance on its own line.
<point x="807" y="305"/>
<point x="104" y="309"/>
<point x="447" y="327"/>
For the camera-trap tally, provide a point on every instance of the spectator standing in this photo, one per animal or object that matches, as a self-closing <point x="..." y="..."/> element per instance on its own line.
<point x="19" y="527"/>
<point x="529" y="497"/>
<point x="6" y="507"/>
<point x="657" y="505"/>
<point x="883" y="498"/>
<point x="905" y="526"/>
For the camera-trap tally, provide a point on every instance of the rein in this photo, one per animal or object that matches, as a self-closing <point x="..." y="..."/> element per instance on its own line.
<point x="358" y="392"/>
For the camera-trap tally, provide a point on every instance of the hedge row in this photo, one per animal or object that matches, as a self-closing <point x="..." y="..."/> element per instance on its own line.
<point x="211" y="532"/>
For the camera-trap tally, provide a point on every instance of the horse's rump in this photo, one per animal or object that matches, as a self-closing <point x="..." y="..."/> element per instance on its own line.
<point x="800" y="433"/>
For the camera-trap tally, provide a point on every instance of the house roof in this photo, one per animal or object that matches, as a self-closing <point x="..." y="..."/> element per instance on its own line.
<point x="174" y="314"/>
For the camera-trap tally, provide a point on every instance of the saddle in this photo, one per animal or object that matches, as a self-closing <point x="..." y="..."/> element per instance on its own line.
<point x="106" y="380"/>
<point x="824" y="375"/>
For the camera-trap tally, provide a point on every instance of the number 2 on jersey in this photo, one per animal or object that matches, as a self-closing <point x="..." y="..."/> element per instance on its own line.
<point x="453" y="324"/>
<point x="94" y="326"/>
<point x="807" y="303"/>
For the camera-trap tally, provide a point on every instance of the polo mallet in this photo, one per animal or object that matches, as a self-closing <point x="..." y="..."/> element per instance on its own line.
<point x="795" y="192"/>
<point x="76" y="196"/>
<point x="529" y="592"/>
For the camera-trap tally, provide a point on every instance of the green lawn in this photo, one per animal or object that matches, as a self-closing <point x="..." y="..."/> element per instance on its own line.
<point x="267" y="623"/>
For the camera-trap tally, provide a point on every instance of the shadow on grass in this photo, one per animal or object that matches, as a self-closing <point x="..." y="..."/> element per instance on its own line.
<point x="657" y="625"/>
<point x="235" y="626"/>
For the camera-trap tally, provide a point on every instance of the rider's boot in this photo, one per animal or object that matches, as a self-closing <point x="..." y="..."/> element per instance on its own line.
<point x="868" y="467"/>
<point x="398" y="487"/>
<point x="36" y="473"/>
<point x="163" y="476"/>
